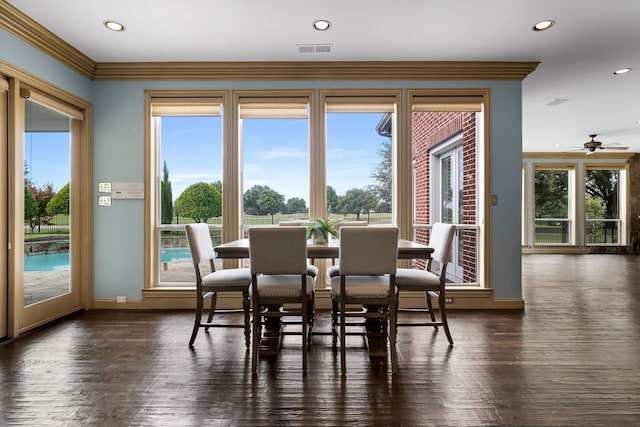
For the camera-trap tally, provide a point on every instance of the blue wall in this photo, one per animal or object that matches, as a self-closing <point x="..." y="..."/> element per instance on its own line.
<point x="118" y="156"/>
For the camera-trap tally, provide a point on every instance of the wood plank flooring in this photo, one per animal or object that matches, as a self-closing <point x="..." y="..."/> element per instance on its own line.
<point x="572" y="357"/>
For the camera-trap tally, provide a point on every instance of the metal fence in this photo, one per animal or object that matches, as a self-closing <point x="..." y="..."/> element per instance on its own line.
<point x="602" y="231"/>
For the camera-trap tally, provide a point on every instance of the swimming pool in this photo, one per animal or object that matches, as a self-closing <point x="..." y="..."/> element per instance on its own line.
<point x="60" y="261"/>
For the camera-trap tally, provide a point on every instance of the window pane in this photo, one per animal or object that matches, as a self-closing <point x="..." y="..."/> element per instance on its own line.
<point x="275" y="170"/>
<point x="359" y="167"/>
<point x="445" y="172"/>
<point x="602" y="206"/>
<point x="552" y="207"/>
<point x="47" y="146"/>
<point x="190" y="189"/>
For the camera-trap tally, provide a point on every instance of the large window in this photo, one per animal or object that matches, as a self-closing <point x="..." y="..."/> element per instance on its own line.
<point x="603" y="206"/>
<point x="553" y="213"/>
<point x="274" y="136"/>
<point x="447" y="145"/>
<point x="580" y="204"/>
<point x="359" y="153"/>
<point x="188" y="135"/>
<point x="277" y="155"/>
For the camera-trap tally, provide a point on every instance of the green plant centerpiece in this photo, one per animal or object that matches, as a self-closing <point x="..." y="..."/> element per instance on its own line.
<point x="320" y="229"/>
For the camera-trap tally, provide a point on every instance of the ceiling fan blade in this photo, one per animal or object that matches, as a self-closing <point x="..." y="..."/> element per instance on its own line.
<point x="614" y="148"/>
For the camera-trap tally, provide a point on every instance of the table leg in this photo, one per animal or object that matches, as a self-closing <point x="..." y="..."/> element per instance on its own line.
<point x="271" y="333"/>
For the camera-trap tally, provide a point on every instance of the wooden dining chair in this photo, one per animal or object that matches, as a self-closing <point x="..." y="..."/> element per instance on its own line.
<point x="334" y="270"/>
<point x="368" y="257"/>
<point x="278" y="257"/>
<point x="429" y="280"/>
<point x="209" y="285"/>
<point x="312" y="270"/>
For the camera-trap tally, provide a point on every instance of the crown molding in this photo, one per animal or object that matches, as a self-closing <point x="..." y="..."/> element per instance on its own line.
<point x="333" y="70"/>
<point x="35" y="34"/>
<point x="25" y="28"/>
<point x="577" y="155"/>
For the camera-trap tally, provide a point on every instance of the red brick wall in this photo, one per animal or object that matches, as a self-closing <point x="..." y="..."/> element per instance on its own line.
<point x="428" y="130"/>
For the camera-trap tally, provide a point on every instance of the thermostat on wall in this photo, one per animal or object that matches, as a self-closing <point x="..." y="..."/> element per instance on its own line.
<point x="127" y="190"/>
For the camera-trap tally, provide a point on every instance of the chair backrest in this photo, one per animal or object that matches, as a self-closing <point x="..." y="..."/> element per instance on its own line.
<point x="278" y="250"/>
<point x="351" y="224"/>
<point x="440" y="240"/>
<point x="199" y="242"/>
<point x="368" y="250"/>
<point x="293" y="223"/>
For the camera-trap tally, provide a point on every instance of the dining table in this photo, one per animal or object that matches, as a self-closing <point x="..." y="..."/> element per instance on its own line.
<point x="270" y="342"/>
<point x="239" y="249"/>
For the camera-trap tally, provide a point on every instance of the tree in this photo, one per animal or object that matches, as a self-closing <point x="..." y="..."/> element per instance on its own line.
<point x="42" y="196"/>
<point x="603" y="185"/>
<point x="250" y="199"/>
<point x="384" y="176"/>
<point x="356" y="201"/>
<point x="218" y="185"/>
<point x="199" y="201"/>
<point x="262" y="200"/>
<point x="166" y="197"/>
<point x="332" y="199"/>
<point x="296" y="205"/>
<point x="59" y="203"/>
<point x="30" y="206"/>
<point x="270" y="202"/>
<point x="595" y="207"/>
<point x="551" y="189"/>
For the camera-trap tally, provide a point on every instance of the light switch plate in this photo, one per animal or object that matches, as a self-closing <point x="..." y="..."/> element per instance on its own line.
<point x="104" y="201"/>
<point x="104" y="187"/>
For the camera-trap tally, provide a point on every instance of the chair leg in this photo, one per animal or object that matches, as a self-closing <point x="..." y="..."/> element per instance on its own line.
<point x="334" y="323"/>
<point x="343" y="334"/>
<point x="212" y="309"/>
<point x="305" y="322"/>
<point x="427" y="296"/>
<point x="311" y="313"/>
<point x="198" y="319"/>
<point x="257" y="323"/>
<point x="246" y="306"/>
<point x="443" y="317"/>
<point x="393" y="320"/>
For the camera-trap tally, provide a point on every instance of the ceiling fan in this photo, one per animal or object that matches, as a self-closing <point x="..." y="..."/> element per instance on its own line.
<point x="593" y="145"/>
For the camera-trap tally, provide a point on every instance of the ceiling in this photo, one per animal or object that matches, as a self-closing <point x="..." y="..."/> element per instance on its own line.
<point x="571" y="94"/>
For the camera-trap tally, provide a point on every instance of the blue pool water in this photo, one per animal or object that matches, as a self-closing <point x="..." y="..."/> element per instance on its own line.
<point x="60" y="261"/>
<point x="175" y="254"/>
<point x="47" y="262"/>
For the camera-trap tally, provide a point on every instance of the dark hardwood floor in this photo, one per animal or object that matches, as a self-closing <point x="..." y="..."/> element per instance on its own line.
<point x="571" y="358"/>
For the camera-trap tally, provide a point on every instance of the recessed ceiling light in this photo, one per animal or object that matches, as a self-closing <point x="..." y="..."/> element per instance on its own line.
<point x="622" y="71"/>
<point x="544" y="25"/>
<point x="322" y="25"/>
<point x="114" y="26"/>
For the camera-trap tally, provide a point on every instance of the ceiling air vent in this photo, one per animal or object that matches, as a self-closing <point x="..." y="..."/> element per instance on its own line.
<point x="314" y="48"/>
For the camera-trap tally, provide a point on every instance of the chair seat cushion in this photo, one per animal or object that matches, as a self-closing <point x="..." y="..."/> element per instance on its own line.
<point x="312" y="270"/>
<point x="362" y="286"/>
<point x="417" y="280"/>
<point x="283" y="285"/>
<point x="227" y="278"/>
<point x="333" y="271"/>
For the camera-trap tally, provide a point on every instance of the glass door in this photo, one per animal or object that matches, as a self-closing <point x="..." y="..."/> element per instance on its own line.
<point x="4" y="307"/>
<point x="48" y="258"/>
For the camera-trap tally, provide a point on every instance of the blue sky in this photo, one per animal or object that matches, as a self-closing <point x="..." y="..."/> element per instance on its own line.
<point x="275" y="153"/>
<point x="47" y="157"/>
